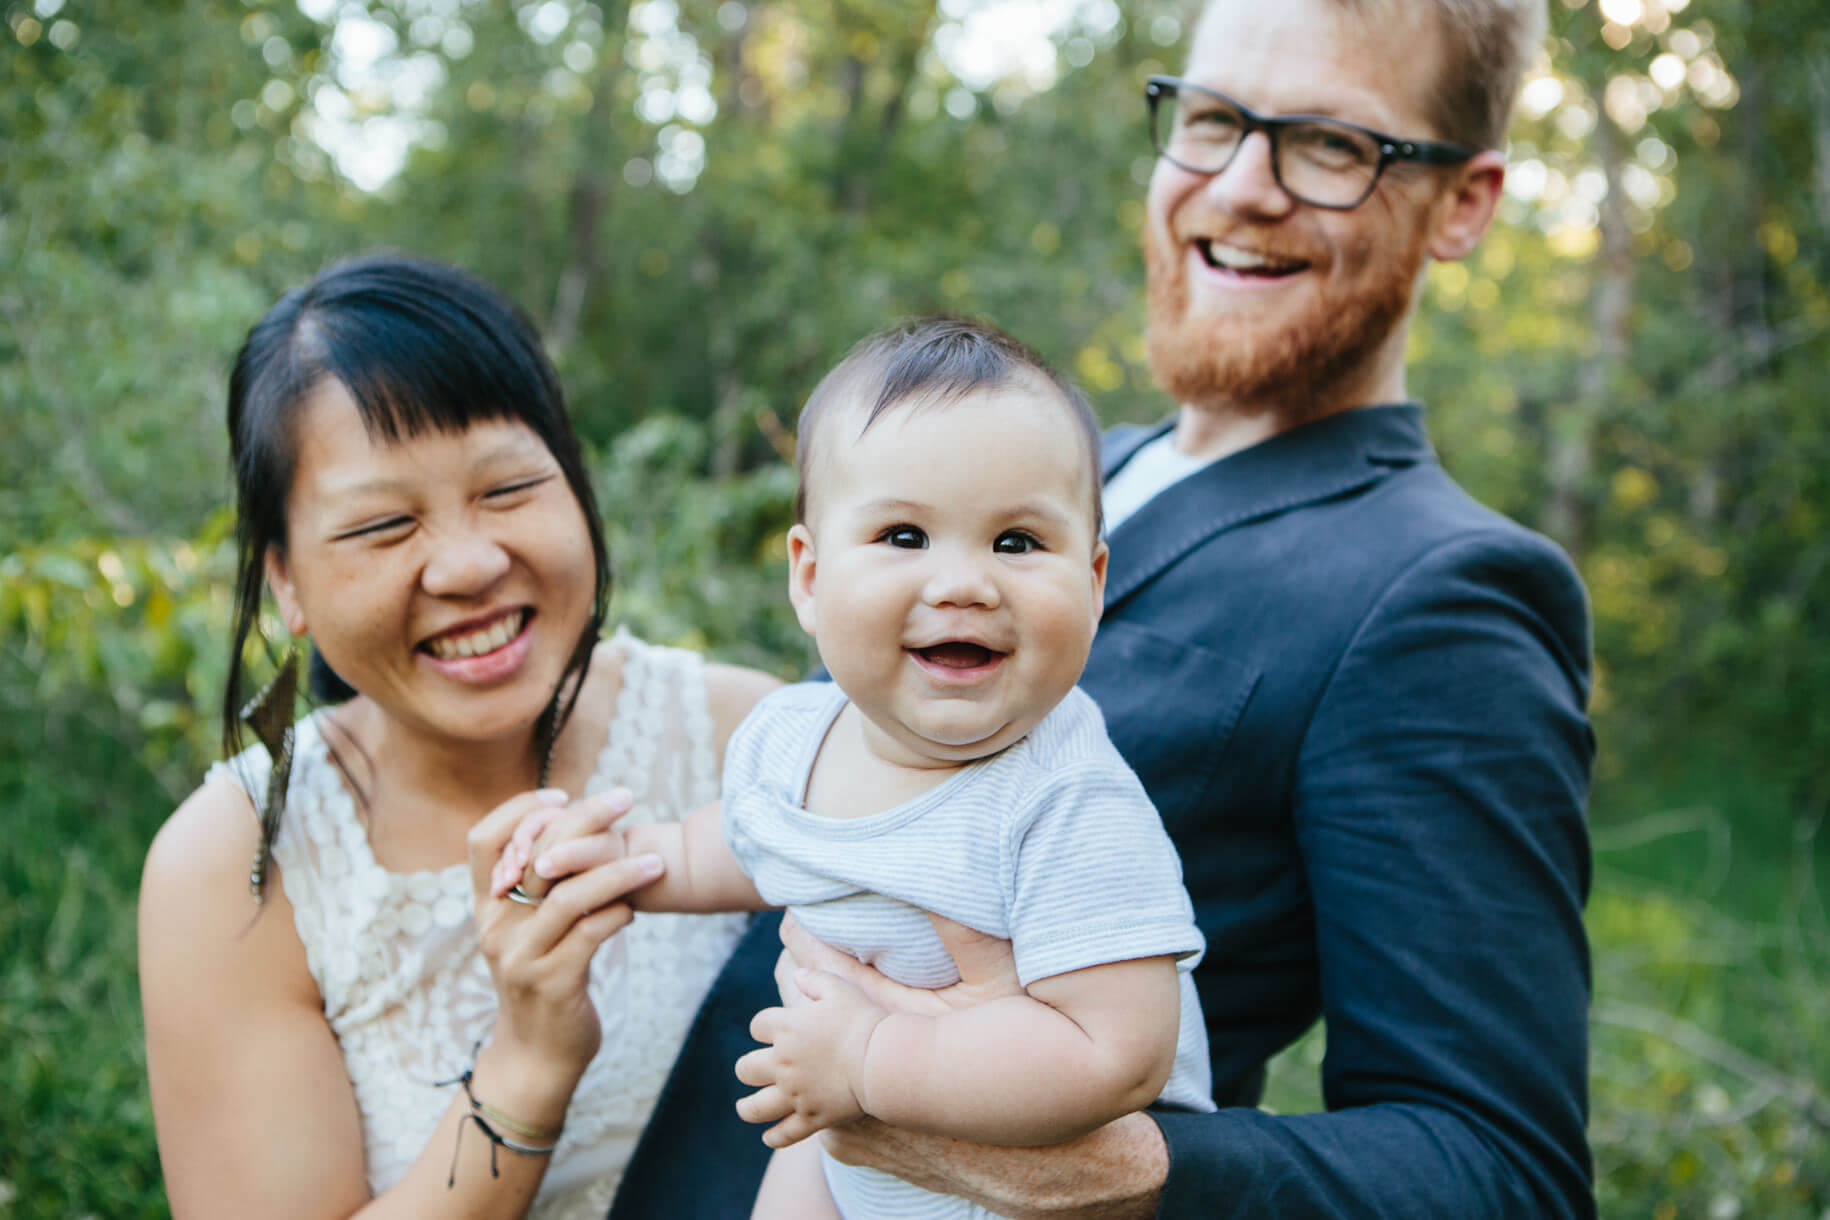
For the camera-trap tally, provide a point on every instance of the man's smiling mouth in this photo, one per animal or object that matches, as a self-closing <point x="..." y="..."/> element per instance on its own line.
<point x="1223" y="257"/>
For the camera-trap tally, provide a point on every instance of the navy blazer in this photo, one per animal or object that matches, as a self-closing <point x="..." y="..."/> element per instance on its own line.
<point x="1357" y="698"/>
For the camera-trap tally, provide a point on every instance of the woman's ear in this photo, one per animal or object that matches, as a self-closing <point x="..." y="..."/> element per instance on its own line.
<point x="279" y="582"/>
<point x="800" y="576"/>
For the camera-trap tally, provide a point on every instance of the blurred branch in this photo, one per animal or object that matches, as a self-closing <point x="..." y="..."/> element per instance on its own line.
<point x="1801" y="1091"/>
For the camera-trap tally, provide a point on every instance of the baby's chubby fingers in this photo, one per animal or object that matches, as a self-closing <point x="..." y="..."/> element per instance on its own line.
<point x="757" y="1068"/>
<point x="764" y="1106"/>
<point x="790" y="1131"/>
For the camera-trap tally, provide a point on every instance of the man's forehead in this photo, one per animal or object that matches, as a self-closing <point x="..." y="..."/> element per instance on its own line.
<point x="1358" y="60"/>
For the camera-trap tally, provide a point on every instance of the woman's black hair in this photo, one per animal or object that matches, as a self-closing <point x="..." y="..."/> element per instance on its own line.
<point x="420" y="347"/>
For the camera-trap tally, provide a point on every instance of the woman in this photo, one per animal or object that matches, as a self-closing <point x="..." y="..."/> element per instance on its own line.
<point x="410" y="490"/>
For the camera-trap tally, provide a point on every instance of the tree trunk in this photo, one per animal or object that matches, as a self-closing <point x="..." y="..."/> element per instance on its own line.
<point x="583" y="271"/>
<point x="1571" y="458"/>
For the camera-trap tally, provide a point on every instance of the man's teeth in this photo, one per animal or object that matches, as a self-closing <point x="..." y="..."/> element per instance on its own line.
<point x="1234" y="259"/>
<point x="476" y="643"/>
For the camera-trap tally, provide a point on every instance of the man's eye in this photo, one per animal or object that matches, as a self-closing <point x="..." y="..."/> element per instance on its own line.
<point x="1016" y="542"/>
<point x="905" y="536"/>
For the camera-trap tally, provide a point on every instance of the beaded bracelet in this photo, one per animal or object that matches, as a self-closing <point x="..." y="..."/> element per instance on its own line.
<point x="480" y="1113"/>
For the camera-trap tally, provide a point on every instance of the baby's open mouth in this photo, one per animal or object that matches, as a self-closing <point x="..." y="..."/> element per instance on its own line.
<point x="958" y="654"/>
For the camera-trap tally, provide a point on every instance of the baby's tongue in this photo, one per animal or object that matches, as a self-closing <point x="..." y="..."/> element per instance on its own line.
<point x="957" y="655"/>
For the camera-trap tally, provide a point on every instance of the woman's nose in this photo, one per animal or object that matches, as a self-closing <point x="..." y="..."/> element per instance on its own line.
<point x="463" y="564"/>
<point x="1248" y="186"/>
<point x="959" y="580"/>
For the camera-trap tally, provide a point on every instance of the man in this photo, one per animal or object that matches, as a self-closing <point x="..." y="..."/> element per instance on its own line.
<point x="1355" y="695"/>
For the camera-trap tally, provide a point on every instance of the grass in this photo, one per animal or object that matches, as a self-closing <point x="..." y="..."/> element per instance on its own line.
<point x="1712" y="969"/>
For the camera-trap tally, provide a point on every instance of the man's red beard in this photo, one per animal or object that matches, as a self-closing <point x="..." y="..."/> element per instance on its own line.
<point x="1296" y="372"/>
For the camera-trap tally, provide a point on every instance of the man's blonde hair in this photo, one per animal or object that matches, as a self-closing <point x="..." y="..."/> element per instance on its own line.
<point x="1486" y="47"/>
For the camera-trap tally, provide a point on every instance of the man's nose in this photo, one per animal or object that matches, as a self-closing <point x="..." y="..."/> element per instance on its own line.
<point x="961" y="580"/>
<point x="1248" y="185"/>
<point x="463" y="563"/>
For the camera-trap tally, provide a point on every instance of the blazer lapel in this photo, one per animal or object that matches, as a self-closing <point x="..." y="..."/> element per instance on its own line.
<point x="1318" y="461"/>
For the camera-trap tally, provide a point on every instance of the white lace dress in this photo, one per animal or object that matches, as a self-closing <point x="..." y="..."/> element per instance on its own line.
<point x="405" y="987"/>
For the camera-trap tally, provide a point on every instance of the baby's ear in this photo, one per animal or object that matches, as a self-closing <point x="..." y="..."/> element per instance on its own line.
<point x="1101" y="553"/>
<point x="800" y="576"/>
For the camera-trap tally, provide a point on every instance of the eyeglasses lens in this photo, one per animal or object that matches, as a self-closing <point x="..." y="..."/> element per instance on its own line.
<point x="1323" y="163"/>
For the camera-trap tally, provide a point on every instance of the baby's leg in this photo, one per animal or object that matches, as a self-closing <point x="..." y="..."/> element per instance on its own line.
<point x="794" y="1186"/>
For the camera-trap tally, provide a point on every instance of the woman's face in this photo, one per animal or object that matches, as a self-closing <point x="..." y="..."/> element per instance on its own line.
<point x="447" y="576"/>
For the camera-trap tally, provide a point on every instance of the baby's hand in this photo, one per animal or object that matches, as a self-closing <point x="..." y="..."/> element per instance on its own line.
<point x="812" y="1075"/>
<point x="559" y="842"/>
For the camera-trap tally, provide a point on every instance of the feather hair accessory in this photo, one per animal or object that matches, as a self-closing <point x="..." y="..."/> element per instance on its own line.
<point x="269" y="715"/>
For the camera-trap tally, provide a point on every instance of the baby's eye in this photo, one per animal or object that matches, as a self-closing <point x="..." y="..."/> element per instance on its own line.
<point x="905" y="536"/>
<point x="1016" y="542"/>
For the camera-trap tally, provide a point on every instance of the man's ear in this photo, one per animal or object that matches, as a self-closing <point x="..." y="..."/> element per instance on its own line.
<point x="1101" y="553"/>
<point x="1465" y="210"/>
<point x="800" y="576"/>
<point x="279" y="581"/>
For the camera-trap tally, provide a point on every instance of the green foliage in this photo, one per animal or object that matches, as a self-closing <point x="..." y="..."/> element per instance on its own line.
<point x="701" y="206"/>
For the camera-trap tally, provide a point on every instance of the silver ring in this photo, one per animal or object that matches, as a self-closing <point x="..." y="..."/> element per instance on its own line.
<point x="517" y="894"/>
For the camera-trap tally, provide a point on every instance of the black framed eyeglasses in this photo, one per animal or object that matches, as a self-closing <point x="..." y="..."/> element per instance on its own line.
<point x="1322" y="161"/>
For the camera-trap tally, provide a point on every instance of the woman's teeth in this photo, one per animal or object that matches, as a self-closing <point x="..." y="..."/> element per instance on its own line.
<point x="476" y="643"/>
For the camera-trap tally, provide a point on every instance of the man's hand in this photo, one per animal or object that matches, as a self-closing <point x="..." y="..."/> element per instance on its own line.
<point x="811" y="1076"/>
<point x="987" y="970"/>
<point x="1114" y="1173"/>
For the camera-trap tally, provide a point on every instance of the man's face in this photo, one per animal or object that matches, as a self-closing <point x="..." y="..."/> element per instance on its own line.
<point x="1257" y="301"/>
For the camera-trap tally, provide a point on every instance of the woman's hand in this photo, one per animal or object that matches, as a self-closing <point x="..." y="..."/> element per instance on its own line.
<point x="540" y="955"/>
<point x="557" y="840"/>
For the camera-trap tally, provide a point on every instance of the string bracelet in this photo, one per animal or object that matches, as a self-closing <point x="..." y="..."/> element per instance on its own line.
<point x="483" y="1114"/>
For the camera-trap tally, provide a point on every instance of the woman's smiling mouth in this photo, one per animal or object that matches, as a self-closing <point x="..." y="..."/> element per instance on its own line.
<point x="482" y="653"/>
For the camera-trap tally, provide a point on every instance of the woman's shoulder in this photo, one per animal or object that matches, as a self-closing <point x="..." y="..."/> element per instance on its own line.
<point x="194" y="891"/>
<point x="730" y="690"/>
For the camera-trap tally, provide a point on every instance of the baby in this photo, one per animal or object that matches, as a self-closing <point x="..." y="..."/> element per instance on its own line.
<point x="947" y="560"/>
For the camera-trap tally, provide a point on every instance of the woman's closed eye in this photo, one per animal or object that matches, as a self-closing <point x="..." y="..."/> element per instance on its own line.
<point x="1016" y="542"/>
<point x="515" y="487"/>
<point x="906" y="537"/>
<point x="383" y="529"/>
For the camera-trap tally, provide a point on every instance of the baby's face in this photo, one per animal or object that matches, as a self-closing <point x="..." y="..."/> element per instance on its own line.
<point x="949" y="569"/>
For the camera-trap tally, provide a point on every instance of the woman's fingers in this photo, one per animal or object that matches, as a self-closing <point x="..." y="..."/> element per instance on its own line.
<point x="486" y="840"/>
<point x="575" y="949"/>
<point x="575" y="897"/>
<point x="588" y="818"/>
<point x="578" y="855"/>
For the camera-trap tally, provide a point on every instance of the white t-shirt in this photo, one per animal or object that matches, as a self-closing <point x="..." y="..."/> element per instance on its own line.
<point x="1153" y="468"/>
<point x="1051" y="844"/>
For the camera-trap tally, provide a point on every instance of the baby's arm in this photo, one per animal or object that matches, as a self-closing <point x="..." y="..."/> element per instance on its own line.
<point x="699" y="872"/>
<point x="1075" y="1052"/>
